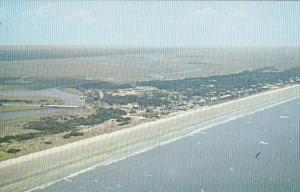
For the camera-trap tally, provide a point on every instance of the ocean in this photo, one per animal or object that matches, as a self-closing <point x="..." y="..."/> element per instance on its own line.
<point x="260" y="152"/>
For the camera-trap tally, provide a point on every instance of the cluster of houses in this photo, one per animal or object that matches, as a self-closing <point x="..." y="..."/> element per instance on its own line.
<point x="133" y="91"/>
<point x="178" y="101"/>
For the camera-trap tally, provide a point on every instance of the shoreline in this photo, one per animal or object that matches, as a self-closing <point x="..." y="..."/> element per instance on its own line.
<point x="62" y="161"/>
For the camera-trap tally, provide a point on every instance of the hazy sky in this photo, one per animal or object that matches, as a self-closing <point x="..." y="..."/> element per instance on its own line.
<point x="152" y="23"/>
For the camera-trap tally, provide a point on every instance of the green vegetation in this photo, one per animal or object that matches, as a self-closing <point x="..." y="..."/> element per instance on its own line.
<point x="100" y="116"/>
<point x="132" y="111"/>
<point x="54" y="125"/>
<point x="144" y="100"/>
<point x="20" y="137"/>
<point x="172" y="93"/>
<point x="123" y="120"/>
<point x="73" y="133"/>
<point x="50" y="125"/>
<point x="13" y="150"/>
<point x="15" y="101"/>
<point x="151" y="115"/>
<point x="199" y="85"/>
<point x="124" y="123"/>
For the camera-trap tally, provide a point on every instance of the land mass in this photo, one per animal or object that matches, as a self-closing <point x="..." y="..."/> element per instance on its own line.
<point x="43" y="119"/>
<point x="125" y="65"/>
<point x="57" y="163"/>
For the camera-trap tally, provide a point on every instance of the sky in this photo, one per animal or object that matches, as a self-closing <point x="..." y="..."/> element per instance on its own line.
<point x="150" y="23"/>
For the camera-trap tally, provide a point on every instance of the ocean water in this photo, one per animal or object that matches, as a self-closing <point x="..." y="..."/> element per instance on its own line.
<point x="218" y="159"/>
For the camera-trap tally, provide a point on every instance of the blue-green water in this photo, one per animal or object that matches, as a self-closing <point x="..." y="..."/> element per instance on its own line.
<point x="220" y="159"/>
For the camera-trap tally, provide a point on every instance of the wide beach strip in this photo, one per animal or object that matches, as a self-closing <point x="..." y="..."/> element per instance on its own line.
<point x="42" y="168"/>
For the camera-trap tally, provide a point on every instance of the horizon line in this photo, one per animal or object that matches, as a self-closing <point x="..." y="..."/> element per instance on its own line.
<point x="137" y="46"/>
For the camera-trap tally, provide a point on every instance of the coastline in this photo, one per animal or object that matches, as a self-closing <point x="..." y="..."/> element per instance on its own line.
<point x="56" y="163"/>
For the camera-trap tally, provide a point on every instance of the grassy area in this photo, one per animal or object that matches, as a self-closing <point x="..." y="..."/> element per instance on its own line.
<point x="73" y="134"/>
<point x="48" y="142"/>
<point x="53" y="125"/>
<point x="13" y="150"/>
<point x="15" y="101"/>
<point x="142" y="100"/>
<point x="61" y="124"/>
<point x="19" y="137"/>
<point x="44" y="132"/>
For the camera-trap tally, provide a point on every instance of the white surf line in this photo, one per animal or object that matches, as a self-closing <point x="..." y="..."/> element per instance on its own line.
<point x="164" y="143"/>
<point x="68" y="180"/>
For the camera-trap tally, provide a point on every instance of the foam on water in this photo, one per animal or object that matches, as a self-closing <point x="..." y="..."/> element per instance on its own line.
<point x="283" y="117"/>
<point x="264" y="143"/>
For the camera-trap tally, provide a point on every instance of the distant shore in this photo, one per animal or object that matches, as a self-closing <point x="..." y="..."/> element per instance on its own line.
<point x="38" y="168"/>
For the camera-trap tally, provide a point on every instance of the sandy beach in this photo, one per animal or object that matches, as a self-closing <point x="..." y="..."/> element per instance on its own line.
<point x="42" y="168"/>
